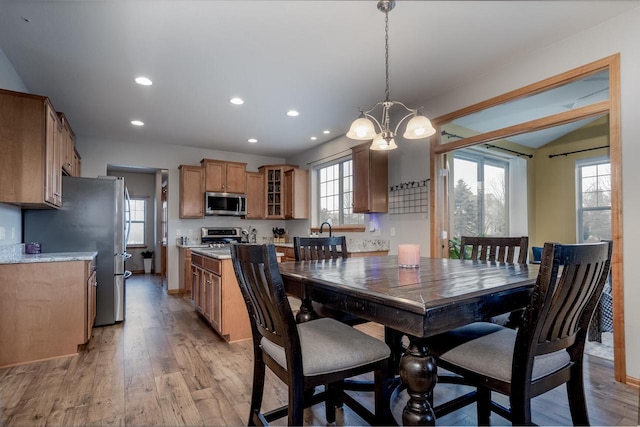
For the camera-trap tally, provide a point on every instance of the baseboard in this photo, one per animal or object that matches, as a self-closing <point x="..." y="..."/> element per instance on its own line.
<point x="635" y="382"/>
<point x="174" y="291"/>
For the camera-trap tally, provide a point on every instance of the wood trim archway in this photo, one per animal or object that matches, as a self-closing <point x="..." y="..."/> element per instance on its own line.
<point x="439" y="202"/>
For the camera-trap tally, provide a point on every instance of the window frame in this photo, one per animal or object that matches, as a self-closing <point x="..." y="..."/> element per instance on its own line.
<point x="482" y="160"/>
<point x="580" y="209"/>
<point x="144" y="222"/>
<point x="318" y="211"/>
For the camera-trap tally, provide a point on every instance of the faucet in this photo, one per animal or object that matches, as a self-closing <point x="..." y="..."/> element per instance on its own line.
<point x="322" y="226"/>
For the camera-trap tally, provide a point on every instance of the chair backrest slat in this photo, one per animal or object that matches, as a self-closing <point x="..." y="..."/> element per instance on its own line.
<point x="318" y="248"/>
<point x="498" y="249"/>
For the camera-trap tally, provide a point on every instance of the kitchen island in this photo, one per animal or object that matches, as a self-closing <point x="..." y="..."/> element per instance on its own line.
<point x="47" y="305"/>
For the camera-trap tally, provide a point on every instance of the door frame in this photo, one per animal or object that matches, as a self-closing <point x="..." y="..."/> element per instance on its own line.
<point x="439" y="203"/>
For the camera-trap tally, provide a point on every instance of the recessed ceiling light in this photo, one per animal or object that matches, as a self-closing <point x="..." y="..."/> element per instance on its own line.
<point x="292" y="113"/>
<point x="326" y="132"/>
<point x="313" y="138"/>
<point x="143" y="81"/>
<point x="236" y="101"/>
<point x="137" y="123"/>
<point x="252" y="140"/>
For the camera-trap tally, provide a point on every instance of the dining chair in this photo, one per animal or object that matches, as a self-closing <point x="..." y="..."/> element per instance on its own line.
<point x="305" y="355"/>
<point x="547" y="349"/>
<point x="321" y="248"/>
<point x="498" y="249"/>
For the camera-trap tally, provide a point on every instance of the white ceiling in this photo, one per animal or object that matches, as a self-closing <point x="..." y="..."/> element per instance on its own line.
<point x="322" y="58"/>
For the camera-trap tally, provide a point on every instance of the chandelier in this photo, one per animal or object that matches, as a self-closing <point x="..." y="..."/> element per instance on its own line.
<point x="363" y="128"/>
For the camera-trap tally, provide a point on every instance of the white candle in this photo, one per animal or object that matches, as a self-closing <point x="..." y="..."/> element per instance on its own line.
<point x="409" y="256"/>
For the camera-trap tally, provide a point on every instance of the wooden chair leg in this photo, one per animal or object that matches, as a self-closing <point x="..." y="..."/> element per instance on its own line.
<point x="296" y="404"/>
<point x="331" y="402"/>
<point x="577" y="401"/>
<point x="520" y="410"/>
<point x="484" y="406"/>
<point x="257" y="391"/>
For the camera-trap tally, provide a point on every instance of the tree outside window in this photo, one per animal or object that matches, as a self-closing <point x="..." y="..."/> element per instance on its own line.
<point x="480" y="195"/>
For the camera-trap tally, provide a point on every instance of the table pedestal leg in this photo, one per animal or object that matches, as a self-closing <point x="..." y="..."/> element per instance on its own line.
<point x="306" y="311"/>
<point x="418" y="372"/>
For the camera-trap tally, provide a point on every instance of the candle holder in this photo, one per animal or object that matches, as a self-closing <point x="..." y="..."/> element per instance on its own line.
<point x="409" y="256"/>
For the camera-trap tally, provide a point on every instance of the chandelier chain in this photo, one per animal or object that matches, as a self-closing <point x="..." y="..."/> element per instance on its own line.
<point x="386" y="53"/>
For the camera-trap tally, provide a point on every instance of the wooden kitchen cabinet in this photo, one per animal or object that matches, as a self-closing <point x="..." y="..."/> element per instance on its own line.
<point x="370" y="180"/>
<point x="220" y="301"/>
<point x="224" y="177"/>
<point x="296" y="194"/>
<point x="274" y="190"/>
<point x="77" y="163"/>
<point x="67" y="147"/>
<point x="184" y="266"/>
<point x="191" y="191"/>
<point x="30" y="138"/>
<point x="91" y="298"/>
<point x="50" y="307"/>
<point x="196" y="285"/>
<point x="255" y="195"/>
<point x="289" y="254"/>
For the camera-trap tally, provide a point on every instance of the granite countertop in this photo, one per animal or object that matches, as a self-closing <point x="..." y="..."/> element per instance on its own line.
<point x="50" y="257"/>
<point x="219" y="253"/>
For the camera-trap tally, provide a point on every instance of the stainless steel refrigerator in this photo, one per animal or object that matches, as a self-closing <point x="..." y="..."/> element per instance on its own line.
<point x="92" y="218"/>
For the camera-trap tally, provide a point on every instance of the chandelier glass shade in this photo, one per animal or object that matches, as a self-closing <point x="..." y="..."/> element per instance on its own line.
<point x="367" y="127"/>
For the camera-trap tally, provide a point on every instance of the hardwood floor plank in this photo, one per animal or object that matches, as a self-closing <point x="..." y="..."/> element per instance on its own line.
<point x="176" y="402"/>
<point x="143" y="407"/>
<point x="215" y="409"/>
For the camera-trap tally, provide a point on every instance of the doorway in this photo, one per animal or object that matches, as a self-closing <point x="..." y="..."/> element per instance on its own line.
<point x="454" y="134"/>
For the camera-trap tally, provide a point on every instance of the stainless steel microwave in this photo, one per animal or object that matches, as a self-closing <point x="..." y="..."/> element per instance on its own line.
<point x="225" y="204"/>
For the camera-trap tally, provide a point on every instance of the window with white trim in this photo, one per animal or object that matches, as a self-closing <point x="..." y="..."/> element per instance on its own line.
<point x="138" y="214"/>
<point x="594" y="199"/>
<point x="335" y="194"/>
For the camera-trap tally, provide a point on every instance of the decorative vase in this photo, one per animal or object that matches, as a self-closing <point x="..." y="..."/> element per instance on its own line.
<point x="147" y="265"/>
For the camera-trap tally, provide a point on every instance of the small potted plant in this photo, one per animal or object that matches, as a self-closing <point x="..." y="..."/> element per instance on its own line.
<point x="146" y="258"/>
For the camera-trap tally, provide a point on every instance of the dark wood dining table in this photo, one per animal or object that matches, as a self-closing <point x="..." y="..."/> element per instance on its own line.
<point x="440" y="295"/>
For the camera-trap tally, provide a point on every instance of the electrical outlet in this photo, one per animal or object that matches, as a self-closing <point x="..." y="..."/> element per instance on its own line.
<point x="372" y="226"/>
<point x="178" y="232"/>
<point x="392" y="231"/>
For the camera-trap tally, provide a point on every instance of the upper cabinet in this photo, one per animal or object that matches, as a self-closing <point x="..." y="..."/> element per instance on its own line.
<point x="370" y="180"/>
<point x="255" y="195"/>
<point x="286" y="192"/>
<point x="30" y="141"/>
<point x="224" y="177"/>
<point x="296" y="194"/>
<point x="191" y="191"/>
<point x="67" y="147"/>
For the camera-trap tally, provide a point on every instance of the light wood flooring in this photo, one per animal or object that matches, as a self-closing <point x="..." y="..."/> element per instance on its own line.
<point x="165" y="366"/>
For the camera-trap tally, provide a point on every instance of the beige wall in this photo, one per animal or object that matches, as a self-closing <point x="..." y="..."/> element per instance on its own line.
<point x="554" y="183"/>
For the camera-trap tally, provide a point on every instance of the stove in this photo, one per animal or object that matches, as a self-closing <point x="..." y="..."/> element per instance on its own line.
<point x="220" y="237"/>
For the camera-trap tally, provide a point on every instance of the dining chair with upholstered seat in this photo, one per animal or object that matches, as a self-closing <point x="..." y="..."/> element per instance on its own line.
<point x="547" y="349"/>
<point x="317" y="352"/>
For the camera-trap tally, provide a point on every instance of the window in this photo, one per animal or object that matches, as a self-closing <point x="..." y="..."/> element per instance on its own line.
<point x="594" y="199"/>
<point x="335" y="203"/>
<point x="480" y="195"/>
<point x="138" y="214"/>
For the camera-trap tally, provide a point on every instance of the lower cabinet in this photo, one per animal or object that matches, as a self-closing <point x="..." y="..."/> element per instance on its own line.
<point x="50" y="308"/>
<point x="218" y="298"/>
<point x="91" y="299"/>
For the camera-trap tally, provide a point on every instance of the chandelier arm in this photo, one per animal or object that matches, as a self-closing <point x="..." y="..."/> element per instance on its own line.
<point x="412" y="113"/>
